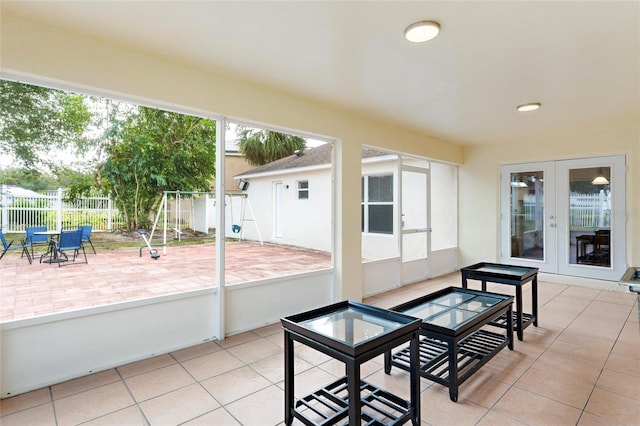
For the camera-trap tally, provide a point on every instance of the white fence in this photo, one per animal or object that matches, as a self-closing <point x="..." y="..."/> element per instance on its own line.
<point x="585" y="210"/>
<point x="19" y="211"/>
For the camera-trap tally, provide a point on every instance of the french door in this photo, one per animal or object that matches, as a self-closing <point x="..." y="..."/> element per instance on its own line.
<point x="565" y="217"/>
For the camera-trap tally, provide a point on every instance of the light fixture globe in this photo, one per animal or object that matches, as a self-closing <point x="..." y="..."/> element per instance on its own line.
<point x="422" y="31"/>
<point x="528" y="107"/>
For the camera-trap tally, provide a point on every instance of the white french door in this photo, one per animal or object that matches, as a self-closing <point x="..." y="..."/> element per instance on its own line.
<point x="565" y="217"/>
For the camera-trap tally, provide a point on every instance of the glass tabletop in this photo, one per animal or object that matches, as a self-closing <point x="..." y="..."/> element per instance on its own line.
<point x="490" y="268"/>
<point x="452" y="310"/>
<point x="350" y="326"/>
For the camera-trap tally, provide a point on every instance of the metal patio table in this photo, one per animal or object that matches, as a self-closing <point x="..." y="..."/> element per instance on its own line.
<point x="454" y="342"/>
<point x="353" y="333"/>
<point x="511" y="275"/>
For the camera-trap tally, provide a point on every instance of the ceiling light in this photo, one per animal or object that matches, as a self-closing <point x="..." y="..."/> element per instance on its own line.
<point x="422" y="31"/>
<point x="600" y="180"/>
<point x="528" y="107"/>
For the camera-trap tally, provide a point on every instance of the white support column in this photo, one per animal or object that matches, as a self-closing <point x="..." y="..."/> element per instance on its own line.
<point x="220" y="225"/>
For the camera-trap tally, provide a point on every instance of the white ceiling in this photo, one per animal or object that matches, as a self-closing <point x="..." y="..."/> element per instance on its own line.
<point x="581" y="59"/>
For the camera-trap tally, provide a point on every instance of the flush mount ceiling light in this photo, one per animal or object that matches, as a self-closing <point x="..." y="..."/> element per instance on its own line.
<point x="600" y="180"/>
<point x="528" y="107"/>
<point x="422" y="31"/>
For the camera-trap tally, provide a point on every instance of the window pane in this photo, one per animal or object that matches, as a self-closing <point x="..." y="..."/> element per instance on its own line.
<point x="527" y="215"/>
<point x="381" y="188"/>
<point x="381" y="219"/>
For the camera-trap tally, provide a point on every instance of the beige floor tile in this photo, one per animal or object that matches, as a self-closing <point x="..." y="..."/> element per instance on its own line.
<point x="238" y="339"/>
<point x="482" y="389"/>
<point x="146" y="365"/>
<point x="620" y="383"/>
<point x="265" y="407"/>
<point x="337" y="368"/>
<point x="437" y="409"/>
<point x="534" y="409"/>
<point x="588" y="419"/>
<point x="157" y="382"/>
<point x="272" y="368"/>
<point x="560" y="386"/>
<point x="91" y="404"/>
<point x="130" y="416"/>
<point x="42" y="415"/>
<point x="24" y="401"/>
<point x="231" y="386"/>
<point x="84" y="383"/>
<point x="618" y="408"/>
<point x="218" y="417"/>
<point x="310" y="355"/>
<point x="311" y="380"/>
<point x="397" y="382"/>
<point x="179" y="406"/>
<point x="624" y="365"/>
<point x="508" y="366"/>
<point x="210" y="365"/>
<point x="573" y="359"/>
<point x="269" y="330"/>
<point x="196" y="351"/>
<point x="496" y="419"/>
<point x="254" y="351"/>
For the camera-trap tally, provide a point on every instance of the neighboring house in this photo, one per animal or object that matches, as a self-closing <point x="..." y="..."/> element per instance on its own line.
<point x="292" y="200"/>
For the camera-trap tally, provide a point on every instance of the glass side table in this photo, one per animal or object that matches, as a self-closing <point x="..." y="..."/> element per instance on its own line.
<point x="352" y="333"/>
<point x="454" y="343"/>
<point x="516" y="276"/>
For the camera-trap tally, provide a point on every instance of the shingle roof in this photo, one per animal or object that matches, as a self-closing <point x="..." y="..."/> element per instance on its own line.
<point x="307" y="158"/>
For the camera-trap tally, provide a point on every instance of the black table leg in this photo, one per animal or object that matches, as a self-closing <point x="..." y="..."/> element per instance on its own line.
<point x="353" y="389"/>
<point x="453" y="370"/>
<point x="519" y="312"/>
<point x="415" y="377"/>
<point x="288" y="378"/>
<point x="534" y="300"/>
<point x="510" y="327"/>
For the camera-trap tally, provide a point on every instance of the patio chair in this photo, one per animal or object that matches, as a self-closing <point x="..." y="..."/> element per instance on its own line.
<point x="86" y="235"/>
<point x="14" y="244"/>
<point x="33" y="240"/>
<point x="71" y="241"/>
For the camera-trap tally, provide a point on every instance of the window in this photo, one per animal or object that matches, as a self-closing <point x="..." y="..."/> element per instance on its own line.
<point x="303" y="190"/>
<point x="377" y="204"/>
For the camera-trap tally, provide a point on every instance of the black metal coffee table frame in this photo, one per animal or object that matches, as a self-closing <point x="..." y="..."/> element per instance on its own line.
<point x="450" y="356"/>
<point x="350" y="399"/>
<point x="512" y="275"/>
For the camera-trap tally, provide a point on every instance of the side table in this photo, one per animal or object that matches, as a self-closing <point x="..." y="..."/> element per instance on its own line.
<point x="352" y="333"/>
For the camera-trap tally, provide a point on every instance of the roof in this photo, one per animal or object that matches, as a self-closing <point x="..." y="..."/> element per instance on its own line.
<point x="308" y="158"/>
<point x="17" y="191"/>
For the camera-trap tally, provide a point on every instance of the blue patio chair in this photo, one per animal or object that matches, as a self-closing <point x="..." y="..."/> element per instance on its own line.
<point x="70" y="241"/>
<point x="14" y="244"/>
<point x="34" y="240"/>
<point x="86" y="235"/>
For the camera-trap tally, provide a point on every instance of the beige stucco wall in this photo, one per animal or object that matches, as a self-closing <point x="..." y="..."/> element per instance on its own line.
<point x="480" y="183"/>
<point x="38" y="53"/>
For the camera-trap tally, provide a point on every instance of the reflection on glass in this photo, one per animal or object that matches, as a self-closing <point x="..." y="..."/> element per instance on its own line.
<point x="452" y="318"/>
<point x="350" y="326"/>
<point x="590" y="216"/>
<point x="527" y="215"/>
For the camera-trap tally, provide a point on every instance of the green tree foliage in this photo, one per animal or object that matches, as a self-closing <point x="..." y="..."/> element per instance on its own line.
<point x="152" y="151"/>
<point x="35" y="121"/>
<point x="264" y="146"/>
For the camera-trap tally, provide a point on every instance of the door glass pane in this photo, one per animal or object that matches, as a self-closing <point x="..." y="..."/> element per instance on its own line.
<point x="590" y="216"/>
<point x="527" y="215"/>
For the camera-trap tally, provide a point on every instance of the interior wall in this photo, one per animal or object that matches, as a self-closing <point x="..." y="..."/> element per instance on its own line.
<point x="38" y="53"/>
<point x="479" y="180"/>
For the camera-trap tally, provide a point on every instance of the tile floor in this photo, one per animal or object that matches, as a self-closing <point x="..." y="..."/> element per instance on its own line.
<point x="581" y="366"/>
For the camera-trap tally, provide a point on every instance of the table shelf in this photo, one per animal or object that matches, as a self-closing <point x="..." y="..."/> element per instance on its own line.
<point x="330" y="406"/>
<point x="473" y="352"/>
<point x="527" y="320"/>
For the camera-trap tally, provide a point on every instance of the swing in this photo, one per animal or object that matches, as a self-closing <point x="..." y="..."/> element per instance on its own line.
<point x="235" y="228"/>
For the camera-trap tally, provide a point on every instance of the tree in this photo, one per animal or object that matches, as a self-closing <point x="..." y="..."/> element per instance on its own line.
<point x="264" y="146"/>
<point x="36" y="121"/>
<point x="152" y="151"/>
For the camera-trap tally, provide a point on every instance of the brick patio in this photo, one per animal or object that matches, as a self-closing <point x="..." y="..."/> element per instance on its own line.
<point x="113" y="276"/>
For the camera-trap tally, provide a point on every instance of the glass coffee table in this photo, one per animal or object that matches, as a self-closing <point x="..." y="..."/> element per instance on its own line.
<point x="454" y="341"/>
<point x="352" y="333"/>
<point x="516" y="276"/>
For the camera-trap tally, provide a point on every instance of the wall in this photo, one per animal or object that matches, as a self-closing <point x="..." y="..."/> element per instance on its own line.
<point x="479" y="180"/>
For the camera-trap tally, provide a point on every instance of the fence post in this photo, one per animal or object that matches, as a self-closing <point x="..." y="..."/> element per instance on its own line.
<point x="109" y="214"/>
<point x="59" y="210"/>
<point x="5" y="209"/>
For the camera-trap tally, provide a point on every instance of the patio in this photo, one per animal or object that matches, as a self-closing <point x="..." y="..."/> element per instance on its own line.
<point x="581" y="366"/>
<point x="120" y="275"/>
